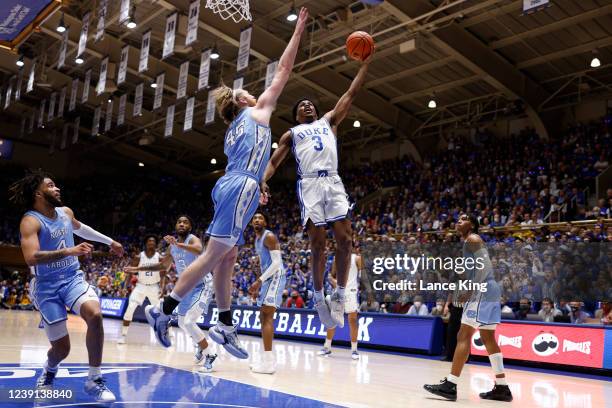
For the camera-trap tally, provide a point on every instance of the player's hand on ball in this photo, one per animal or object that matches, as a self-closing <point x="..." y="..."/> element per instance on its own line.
<point x="116" y="248"/>
<point x="254" y="289"/>
<point x="369" y="59"/>
<point x="83" y="248"/>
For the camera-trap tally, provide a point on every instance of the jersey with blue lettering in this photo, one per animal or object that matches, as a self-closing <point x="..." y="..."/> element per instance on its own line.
<point x="314" y="147"/>
<point x="247" y="145"/>
<point x="55" y="234"/>
<point x="265" y="260"/>
<point x="182" y="257"/>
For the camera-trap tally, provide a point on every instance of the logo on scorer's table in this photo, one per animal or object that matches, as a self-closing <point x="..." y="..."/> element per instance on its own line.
<point x="515" y="342"/>
<point x="545" y="344"/>
<point x="477" y="341"/>
<point x="583" y="347"/>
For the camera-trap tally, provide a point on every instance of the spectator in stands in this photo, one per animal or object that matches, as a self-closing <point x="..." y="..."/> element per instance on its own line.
<point x="606" y="316"/>
<point x="439" y="310"/>
<point x="601" y="164"/>
<point x="578" y="316"/>
<point x="548" y="311"/>
<point x="3" y="291"/>
<point x="505" y="309"/>
<point x="564" y="307"/>
<point x="243" y="299"/>
<point x="11" y="300"/>
<point x="370" y="305"/>
<point x="550" y="287"/>
<point x="295" y="301"/>
<point x="403" y="305"/>
<point x="418" y="308"/>
<point x="523" y="310"/>
<point x="285" y="298"/>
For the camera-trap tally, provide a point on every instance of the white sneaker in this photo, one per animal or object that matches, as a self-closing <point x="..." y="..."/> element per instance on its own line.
<point x="264" y="367"/>
<point x="324" y="352"/>
<point x="336" y="306"/>
<point x="98" y="389"/>
<point x="121" y="339"/>
<point x="355" y="355"/>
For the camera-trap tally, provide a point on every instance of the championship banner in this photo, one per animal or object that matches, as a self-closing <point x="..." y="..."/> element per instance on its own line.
<point x="159" y="91"/>
<point x="270" y="71"/>
<point x="83" y="36"/>
<point x="63" y="47"/>
<point x="102" y="7"/>
<point x="189" y="114"/>
<point x="86" y="86"/>
<point x="52" y="106"/>
<point x="138" y="100"/>
<point x="102" y="79"/>
<point x="19" y="85"/>
<point x="95" y="128"/>
<point x="73" y="94"/>
<point x="64" y="136"/>
<point x="182" y="82"/>
<point x="238" y="82"/>
<point x="124" y="11"/>
<point x="143" y="64"/>
<point x="112" y="306"/>
<point x="75" y="134"/>
<point x="30" y="85"/>
<point x="244" y="49"/>
<point x="125" y="53"/>
<point x="530" y="6"/>
<point x="169" y="121"/>
<point x="204" y="70"/>
<point x="109" y="116"/>
<point x="192" y="25"/>
<point x="41" y="114"/>
<point x="62" y="102"/>
<point x="170" y="35"/>
<point x="210" y="109"/>
<point x="121" y="113"/>
<point x="15" y="15"/>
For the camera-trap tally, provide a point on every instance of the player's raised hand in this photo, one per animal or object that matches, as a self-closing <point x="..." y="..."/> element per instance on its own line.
<point x="264" y="197"/>
<point x="254" y="289"/>
<point x="369" y="58"/>
<point x="302" y="19"/>
<point x="83" y="248"/>
<point x="116" y="248"/>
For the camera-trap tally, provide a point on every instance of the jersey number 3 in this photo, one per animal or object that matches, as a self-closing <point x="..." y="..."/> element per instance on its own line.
<point x="319" y="146"/>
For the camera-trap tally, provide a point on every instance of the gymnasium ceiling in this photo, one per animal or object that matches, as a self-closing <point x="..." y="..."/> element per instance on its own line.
<point x="479" y="59"/>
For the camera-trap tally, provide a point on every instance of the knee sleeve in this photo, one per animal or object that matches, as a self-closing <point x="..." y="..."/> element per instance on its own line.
<point x="191" y="329"/>
<point x="55" y="331"/>
<point x="129" y="312"/>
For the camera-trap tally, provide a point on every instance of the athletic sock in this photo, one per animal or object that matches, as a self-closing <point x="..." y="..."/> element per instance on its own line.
<point x="497" y="363"/>
<point x="319" y="295"/>
<point x="268" y="356"/>
<point x="225" y="317"/>
<point x="94" y="372"/>
<point x="340" y="291"/>
<point x="124" y="330"/>
<point x="452" y="378"/>
<point x="50" y="369"/>
<point x="170" y="303"/>
<point x="501" y="381"/>
<point x="353" y="346"/>
<point x="327" y="344"/>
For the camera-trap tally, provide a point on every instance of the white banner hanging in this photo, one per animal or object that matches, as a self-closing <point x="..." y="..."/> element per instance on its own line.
<point x="244" y="49"/>
<point x="102" y="79"/>
<point x="210" y="109"/>
<point x="62" y="102"/>
<point x="138" y="99"/>
<point x="170" y="35"/>
<point x="182" y="83"/>
<point x="192" y="25"/>
<point x="121" y="113"/>
<point x="169" y="121"/>
<point x="83" y="36"/>
<point x="41" y="113"/>
<point x="19" y="85"/>
<point x="63" y="47"/>
<point x="204" y="70"/>
<point x="124" y="11"/>
<point x="95" y="127"/>
<point x="188" y="124"/>
<point x="64" y="136"/>
<point x="270" y="71"/>
<point x="52" y="106"/>
<point x="159" y="91"/>
<point x="77" y="126"/>
<point x="30" y="85"/>
<point x="86" y="85"/>
<point x="125" y="53"/>
<point x="73" y="94"/>
<point x="143" y="65"/>
<point x="102" y="7"/>
<point x="238" y="82"/>
<point x="109" y="116"/>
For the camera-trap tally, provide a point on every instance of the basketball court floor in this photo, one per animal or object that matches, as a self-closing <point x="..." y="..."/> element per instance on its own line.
<point x="143" y="374"/>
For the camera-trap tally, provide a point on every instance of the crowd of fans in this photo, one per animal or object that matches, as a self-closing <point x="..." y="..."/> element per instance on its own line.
<point x="516" y="181"/>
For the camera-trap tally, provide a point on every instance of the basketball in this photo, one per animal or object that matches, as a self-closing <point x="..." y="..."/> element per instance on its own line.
<point x="359" y="45"/>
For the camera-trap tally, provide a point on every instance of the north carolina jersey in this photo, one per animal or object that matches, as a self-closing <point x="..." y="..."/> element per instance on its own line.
<point x="247" y="145"/>
<point x="314" y="147"/>
<point x="479" y="274"/>
<point x="353" y="278"/>
<point x="271" y="292"/>
<point x="148" y="277"/>
<point x="182" y="257"/>
<point x="265" y="260"/>
<point x="55" y="234"/>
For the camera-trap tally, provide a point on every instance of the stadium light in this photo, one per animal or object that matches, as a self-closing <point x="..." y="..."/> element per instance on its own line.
<point x="356" y="124"/>
<point x="141" y="164"/>
<point x="213" y="161"/>
<point x="153" y="84"/>
<point x="292" y="16"/>
<point x="20" y="62"/>
<point x="595" y="62"/>
<point x="214" y="53"/>
<point x="275" y="145"/>
<point x="79" y="60"/>
<point x="131" y="24"/>
<point x="61" y="27"/>
<point x="432" y="104"/>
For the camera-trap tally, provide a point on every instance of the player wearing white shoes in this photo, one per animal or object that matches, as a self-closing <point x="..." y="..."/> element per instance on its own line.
<point x="268" y="288"/>
<point x="47" y="241"/>
<point x="321" y="193"/>
<point x="351" y="305"/>
<point x="148" y="285"/>
<point x="184" y="249"/>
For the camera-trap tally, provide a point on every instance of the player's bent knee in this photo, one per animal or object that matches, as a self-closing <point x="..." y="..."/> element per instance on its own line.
<point x="57" y="333"/>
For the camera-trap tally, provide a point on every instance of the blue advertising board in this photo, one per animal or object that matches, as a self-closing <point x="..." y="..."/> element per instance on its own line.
<point x="15" y="15"/>
<point x="114" y="307"/>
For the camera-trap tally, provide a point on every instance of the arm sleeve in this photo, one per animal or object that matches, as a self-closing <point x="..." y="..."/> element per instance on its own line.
<point x="90" y="234"/>
<point x="274" y="266"/>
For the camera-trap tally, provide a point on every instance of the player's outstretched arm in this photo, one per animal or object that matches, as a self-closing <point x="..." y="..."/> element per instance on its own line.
<point x="194" y="247"/>
<point x="278" y="157"/>
<point x="337" y="115"/>
<point x="30" y="246"/>
<point x="86" y="232"/>
<point x="162" y="265"/>
<point x="266" y="103"/>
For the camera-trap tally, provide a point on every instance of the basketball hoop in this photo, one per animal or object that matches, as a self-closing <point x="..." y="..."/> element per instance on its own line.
<point x="237" y="10"/>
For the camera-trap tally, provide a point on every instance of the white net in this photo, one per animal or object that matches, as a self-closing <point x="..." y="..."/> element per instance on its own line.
<point x="237" y="10"/>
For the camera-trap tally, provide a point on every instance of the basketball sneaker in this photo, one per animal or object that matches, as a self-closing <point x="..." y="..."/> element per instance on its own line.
<point x="355" y="355"/>
<point x="498" y="393"/>
<point x="324" y="352"/>
<point x="264" y="367"/>
<point x="199" y="355"/>
<point x="227" y="337"/>
<point x="445" y="389"/>
<point x="159" y="322"/>
<point x="324" y="311"/>
<point x="336" y="305"/>
<point x="121" y="340"/>
<point x="98" y="389"/>
<point x="207" y="367"/>
<point x="45" y="380"/>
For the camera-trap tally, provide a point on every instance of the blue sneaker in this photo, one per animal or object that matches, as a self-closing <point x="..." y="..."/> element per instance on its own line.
<point x="227" y="337"/>
<point x="159" y="322"/>
<point x="207" y="367"/>
<point x="98" y="389"/>
<point x="45" y="381"/>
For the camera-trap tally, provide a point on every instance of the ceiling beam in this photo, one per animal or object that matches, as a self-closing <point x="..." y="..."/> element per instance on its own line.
<point x="515" y="6"/>
<point x="567" y="52"/>
<point x="437" y="88"/>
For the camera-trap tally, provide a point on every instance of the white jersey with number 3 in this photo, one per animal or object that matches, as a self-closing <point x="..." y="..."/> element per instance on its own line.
<point x="148" y="277"/>
<point x="314" y="147"/>
<point x="353" y="279"/>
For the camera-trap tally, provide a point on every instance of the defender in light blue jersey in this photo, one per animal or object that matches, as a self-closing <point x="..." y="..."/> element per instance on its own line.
<point x="482" y="312"/>
<point x="48" y="247"/>
<point x="268" y="288"/>
<point x="184" y="249"/>
<point x="235" y="196"/>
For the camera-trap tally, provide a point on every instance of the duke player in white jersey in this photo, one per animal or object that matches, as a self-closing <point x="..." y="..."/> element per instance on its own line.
<point x="267" y="289"/>
<point x="48" y="247"/>
<point x="184" y="249"/>
<point x="235" y="196"/>
<point x="351" y="305"/>
<point x="482" y="311"/>
<point x="320" y="190"/>
<point x="148" y="285"/>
